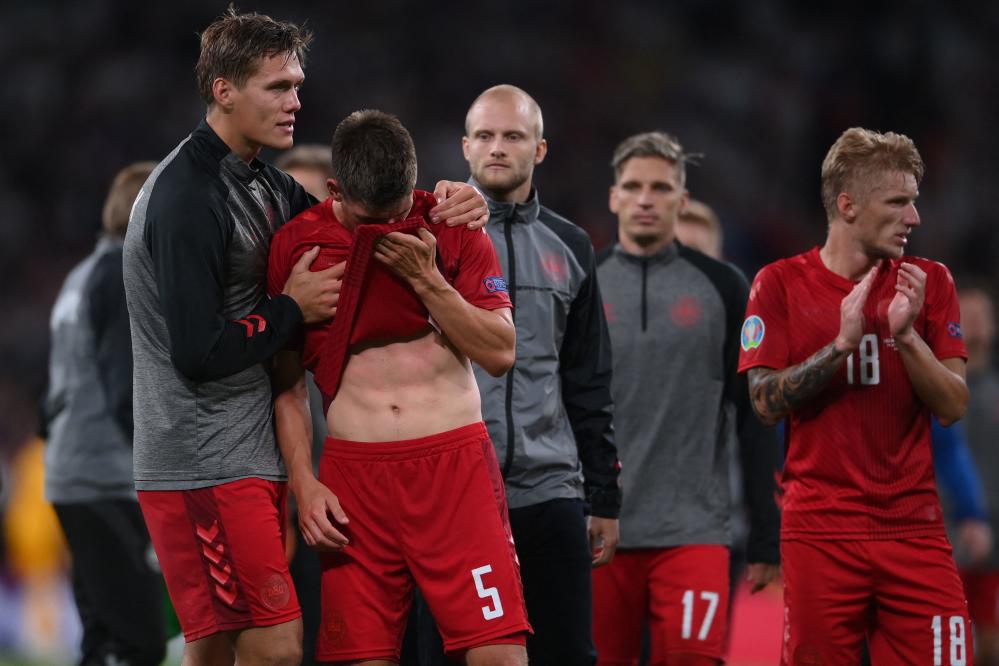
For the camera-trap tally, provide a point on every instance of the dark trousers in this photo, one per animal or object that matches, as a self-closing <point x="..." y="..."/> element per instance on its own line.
<point x="307" y="576"/>
<point x="554" y="552"/>
<point x="118" y="588"/>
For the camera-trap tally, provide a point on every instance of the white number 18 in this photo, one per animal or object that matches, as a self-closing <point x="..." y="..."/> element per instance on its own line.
<point x="958" y="644"/>
<point x="870" y="366"/>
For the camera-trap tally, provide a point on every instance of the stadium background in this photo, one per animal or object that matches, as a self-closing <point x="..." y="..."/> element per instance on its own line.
<point x="761" y="89"/>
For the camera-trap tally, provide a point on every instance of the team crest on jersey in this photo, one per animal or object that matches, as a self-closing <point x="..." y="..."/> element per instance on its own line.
<point x="753" y="330"/>
<point x="494" y="284"/>
<point x="954" y="329"/>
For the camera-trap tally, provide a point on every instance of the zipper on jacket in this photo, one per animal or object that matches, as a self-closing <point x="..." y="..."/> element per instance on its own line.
<point x="645" y="271"/>
<point x="511" y="285"/>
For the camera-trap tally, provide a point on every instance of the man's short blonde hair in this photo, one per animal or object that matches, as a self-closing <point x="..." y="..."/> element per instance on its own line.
<point x="861" y="154"/>
<point x="121" y="195"/>
<point x="307" y="156"/>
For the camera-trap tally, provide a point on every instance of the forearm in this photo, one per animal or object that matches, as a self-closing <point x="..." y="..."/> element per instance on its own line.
<point x="292" y="416"/>
<point x="486" y="337"/>
<point x="189" y="262"/>
<point x="293" y="427"/>
<point x="589" y="406"/>
<point x="941" y="389"/>
<point x="776" y="393"/>
<point x="205" y="347"/>
<point x="600" y="472"/>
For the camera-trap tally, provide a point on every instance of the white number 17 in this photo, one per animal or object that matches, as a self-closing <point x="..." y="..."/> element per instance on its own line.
<point x="688" y="614"/>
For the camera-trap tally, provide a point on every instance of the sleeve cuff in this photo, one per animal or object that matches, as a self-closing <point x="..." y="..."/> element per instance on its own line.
<point x="604" y="503"/>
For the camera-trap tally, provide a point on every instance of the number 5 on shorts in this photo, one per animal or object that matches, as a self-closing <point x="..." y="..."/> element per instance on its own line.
<point x="490" y="613"/>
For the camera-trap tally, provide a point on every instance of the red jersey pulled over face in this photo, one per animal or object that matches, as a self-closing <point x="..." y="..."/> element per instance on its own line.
<point x="467" y="260"/>
<point x="859" y="463"/>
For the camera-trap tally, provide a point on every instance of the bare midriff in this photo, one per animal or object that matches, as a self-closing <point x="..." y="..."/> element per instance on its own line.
<point x="403" y="390"/>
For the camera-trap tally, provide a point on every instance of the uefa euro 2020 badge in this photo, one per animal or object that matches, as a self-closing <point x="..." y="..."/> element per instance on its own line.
<point x="752" y="332"/>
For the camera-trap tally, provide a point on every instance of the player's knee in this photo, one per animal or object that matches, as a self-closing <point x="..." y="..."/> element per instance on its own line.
<point x="284" y="653"/>
<point x="276" y="651"/>
<point x="213" y="650"/>
<point x="497" y="655"/>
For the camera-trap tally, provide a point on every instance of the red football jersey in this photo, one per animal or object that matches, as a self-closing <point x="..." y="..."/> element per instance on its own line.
<point x="859" y="463"/>
<point x="467" y="259"/>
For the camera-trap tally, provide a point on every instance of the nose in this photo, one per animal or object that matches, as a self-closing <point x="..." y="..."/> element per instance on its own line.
<point x="293" y="103"/>
<point x="496" y="147"/>
<point x="645" y="197"/>
<point x="912" y="216"/>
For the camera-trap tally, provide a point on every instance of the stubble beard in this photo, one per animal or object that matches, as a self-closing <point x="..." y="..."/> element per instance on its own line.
<point x="645" y="239"/>
<point x="500" y="185"/>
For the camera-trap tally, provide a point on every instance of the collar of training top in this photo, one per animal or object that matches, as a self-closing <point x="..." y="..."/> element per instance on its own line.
<point x="665" y="255"/>
<point x="220" y="151"/>
<point x="500" y="211"/>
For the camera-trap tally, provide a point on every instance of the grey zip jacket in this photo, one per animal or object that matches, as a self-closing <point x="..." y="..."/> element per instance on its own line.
<point x="550" y="415"/>
<point x="88" y="408"/>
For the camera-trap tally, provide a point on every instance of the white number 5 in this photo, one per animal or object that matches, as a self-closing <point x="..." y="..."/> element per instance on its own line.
<point x="487" y="593"/>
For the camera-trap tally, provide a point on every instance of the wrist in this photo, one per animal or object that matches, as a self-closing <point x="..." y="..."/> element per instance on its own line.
<point x="905" y="339"/>
<point x="843" y="347"/>
<point x="299" y="481"/>
<point x="428" y="283"/>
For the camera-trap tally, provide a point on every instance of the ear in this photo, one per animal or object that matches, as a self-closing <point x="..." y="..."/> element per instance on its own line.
<point x="222" y="91"/>
<point x="540" y="151"/>
<point x="612" y="201"/>
<point x="684" y="200"/>
<point x="334" y="190"/>
<point x="846" y="207"/>
<point x="464" y="147"/>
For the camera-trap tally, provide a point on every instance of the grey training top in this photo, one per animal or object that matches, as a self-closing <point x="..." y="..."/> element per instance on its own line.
<point x="550" y="415"/>
<point x="202" y="328"/>
<point x="674" y="320"/>
<point x="88" y="408"/>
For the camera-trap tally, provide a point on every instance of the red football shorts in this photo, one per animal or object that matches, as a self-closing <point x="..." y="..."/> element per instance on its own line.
<point x="903" y="595"/>
<point x="685" y="590"/>
<point x="430" y="510"/>
<point x="221" y="550"/>
<point x="982" y="588"/>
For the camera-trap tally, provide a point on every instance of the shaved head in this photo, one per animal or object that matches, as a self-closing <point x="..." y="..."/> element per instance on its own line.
<point x="507" y="92"/>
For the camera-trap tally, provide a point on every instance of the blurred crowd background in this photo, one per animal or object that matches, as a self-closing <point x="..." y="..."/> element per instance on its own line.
<point x="760" y="89"/>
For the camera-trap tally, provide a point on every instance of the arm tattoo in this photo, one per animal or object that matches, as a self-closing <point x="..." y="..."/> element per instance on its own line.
<point x="775" y="393"/>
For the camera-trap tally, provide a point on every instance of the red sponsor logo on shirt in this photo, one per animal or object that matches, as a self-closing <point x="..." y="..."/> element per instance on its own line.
<point x="556" y="267"/>
<point x="686" y="312"/>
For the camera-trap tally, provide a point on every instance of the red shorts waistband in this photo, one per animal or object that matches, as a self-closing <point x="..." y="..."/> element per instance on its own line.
<point x="406" y="448"/>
